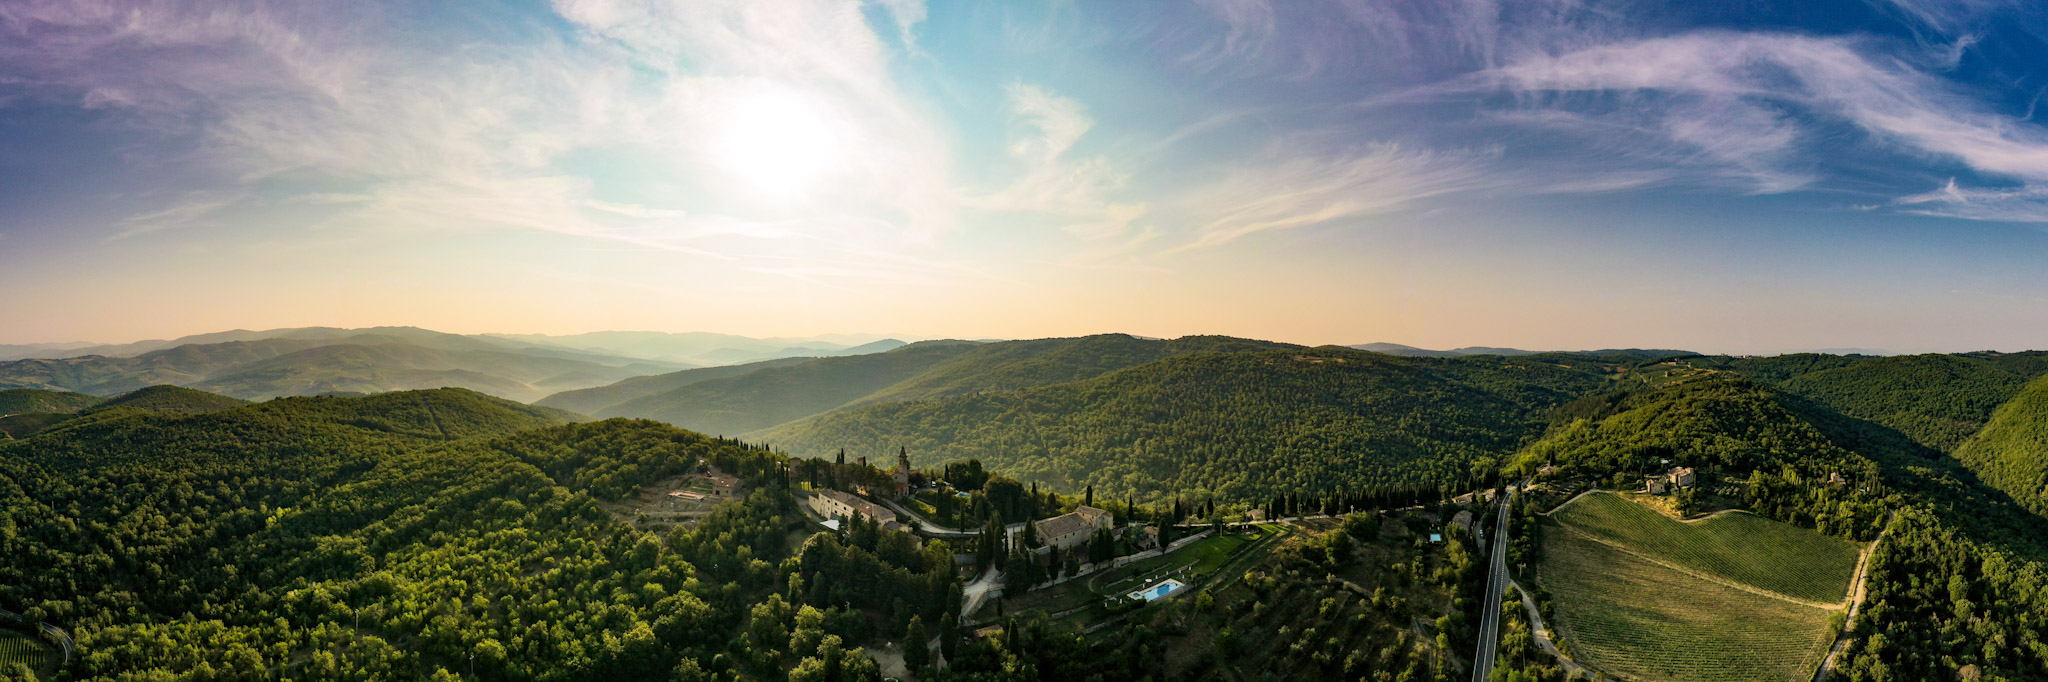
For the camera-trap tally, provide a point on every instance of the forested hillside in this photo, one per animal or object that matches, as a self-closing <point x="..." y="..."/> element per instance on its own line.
<point x="164" y="399"/>
<point x="1243" y="426"/>
<point x="425" y="535"/>
<point x="170" y="399"/>
<point x="595" y="399"/>
<point x="707" y="400"/>
<point x="774" y="395"/>
<point x="1957" y="584"/>
<point x="1012" y="365"/>
<point x="1938" y="400"/>
<point x="26" y="400"/>
<point x="2011" y="453"/>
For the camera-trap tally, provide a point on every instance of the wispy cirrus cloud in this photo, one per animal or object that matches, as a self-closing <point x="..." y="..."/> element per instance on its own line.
<point x="1750" y="102"/>
<point x="2027" y="204"/>
<point x="1294" y="188"/>
<point x="1079" y="192"/>
<point x="192" y="207"/>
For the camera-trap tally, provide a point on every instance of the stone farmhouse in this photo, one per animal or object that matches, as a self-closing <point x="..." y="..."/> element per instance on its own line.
<point x="833" y="504"/>
<point x="1067" y="531"/>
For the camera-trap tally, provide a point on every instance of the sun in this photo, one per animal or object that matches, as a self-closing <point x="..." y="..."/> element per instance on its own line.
<point x="778" y="142"/>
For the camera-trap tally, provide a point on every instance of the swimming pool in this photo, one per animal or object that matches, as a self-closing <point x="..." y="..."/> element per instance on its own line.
<point x="1157" y="590"/>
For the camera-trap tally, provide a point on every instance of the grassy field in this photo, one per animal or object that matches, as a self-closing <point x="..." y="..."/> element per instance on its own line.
<point x="1629" y="617"/>
<point x="17" y="647"/>
<point x="1737" y="546"/>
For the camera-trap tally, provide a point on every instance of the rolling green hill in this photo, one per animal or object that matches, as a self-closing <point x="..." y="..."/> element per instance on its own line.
<point x="1957" y="550"/>
<point x="1937" y="400"/>
<point x="412" y="535"/>
<point x="593" y="400"/>
<point x="29" y="423"/>
<point x="168" y="399"/>
<point x="1244" y="425"/>
<point x="2011" y="452"/>
<point x="1012" y="365"/>
<point x="1736" y="546"/>
<point x="776" y="395"/>
<point x="26" y="400"/>
<point x="1624" y="614"/>
<point x="313" y="364"/>
<point x="1738" y="431"/>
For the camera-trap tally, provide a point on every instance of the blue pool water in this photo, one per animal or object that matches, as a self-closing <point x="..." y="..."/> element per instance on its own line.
<point x="1157" y="590"/>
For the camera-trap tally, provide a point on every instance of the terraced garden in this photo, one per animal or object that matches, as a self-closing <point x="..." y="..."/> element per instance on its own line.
<point x="1737" y="546"/>
<point x="1629" y="617"/>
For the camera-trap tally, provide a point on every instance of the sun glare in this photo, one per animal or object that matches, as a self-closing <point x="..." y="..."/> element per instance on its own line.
<point x="778" y="142"/>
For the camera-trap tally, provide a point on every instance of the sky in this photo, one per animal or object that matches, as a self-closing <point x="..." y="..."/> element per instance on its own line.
<point x="1740" y="177"/>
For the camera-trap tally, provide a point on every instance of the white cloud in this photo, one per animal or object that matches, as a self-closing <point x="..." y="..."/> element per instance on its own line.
<point x="2021" y="205"/>
<point x="434" y="136"/>
<point x="1295" y="189"/>
<point x="188" y="209"/>
<point x="1949" y="16"/>
<point x="1077" y="192"/>
<point x="1825" y="76"/>
<point x="907" y="14"/>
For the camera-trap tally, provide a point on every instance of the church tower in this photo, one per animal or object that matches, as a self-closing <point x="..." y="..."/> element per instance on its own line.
<point x="902" y="471"/>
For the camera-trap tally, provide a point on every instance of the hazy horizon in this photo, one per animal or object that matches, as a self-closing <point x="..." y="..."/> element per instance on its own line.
<point x="1741" y="179"/>
<point x="860" y="338"/>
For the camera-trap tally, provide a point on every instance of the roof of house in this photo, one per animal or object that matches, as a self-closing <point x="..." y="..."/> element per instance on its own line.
<point x="1080" y="519"/>
<point x="864" y="507"/>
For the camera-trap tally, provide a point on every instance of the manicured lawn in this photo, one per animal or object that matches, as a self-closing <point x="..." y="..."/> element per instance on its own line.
<point x="1630" y="617"/>
<point x="1737" y="546"/>
<point x="1205" y="555"/>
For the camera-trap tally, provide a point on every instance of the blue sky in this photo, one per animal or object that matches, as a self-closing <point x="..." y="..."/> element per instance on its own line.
<point x="1736" y="177"/>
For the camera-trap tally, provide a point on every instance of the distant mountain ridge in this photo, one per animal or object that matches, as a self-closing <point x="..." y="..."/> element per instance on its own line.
<point x="710" y="349"/>
<point x="1413" y="352"/>
<point x="393" y="359"/>
<point x="258" y="365"/>
<point x="682" y="349"/>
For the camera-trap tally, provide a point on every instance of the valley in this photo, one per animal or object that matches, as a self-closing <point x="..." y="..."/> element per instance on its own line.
<point x="1314" y="506"/>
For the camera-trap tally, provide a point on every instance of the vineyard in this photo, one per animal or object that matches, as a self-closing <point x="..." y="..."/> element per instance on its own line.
<point x="20" y="648"/>
<point x="1626" y="616"/>
<point x="1738" y="546"/>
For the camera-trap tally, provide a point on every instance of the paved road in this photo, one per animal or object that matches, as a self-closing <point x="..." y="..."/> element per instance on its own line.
<point x="927" y="527"/>
<point x="1496" y="584"/>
